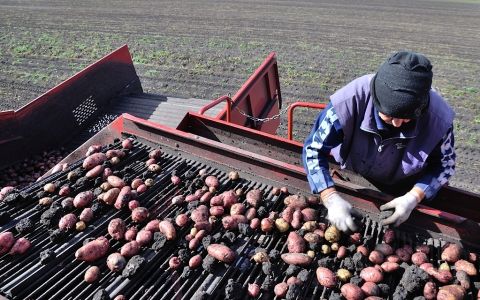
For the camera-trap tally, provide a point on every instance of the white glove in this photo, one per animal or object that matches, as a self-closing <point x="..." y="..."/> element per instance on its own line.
<point x="340" y="212"/>
<point x="403" y="208"/>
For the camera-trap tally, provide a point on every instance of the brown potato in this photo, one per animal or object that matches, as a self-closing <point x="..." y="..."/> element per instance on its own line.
<point x="221" y="253"/>
<point x="451" y="292"/>
<point x="254" y="197"/>
<point x="94" y="160"/>
<point x="140" y="214"/>
<point x="299" y="259"/>
<point x="371" y="274"/>
<point x="130" y="249"/>
<point x="311" y="237"/>
<point x="195" y="261"/>
<point x="144" y="237"/>
<point x="352" y="292"/>
<point x="430" y="291"/>
<point x="67" y="222"/>
<point x="20" y="246"/>
<point x="233" y="175"/>
<point x="295" y="243"/>
<point x="167" y="228"/>
<point x="83" y="199"/>
<point x="93" y="250"/>
<point x="117" y="228"/>
<point x="91" y="275"/>
<point x="451" y="253"/>
<point x="332" y="234"/>
<point x="116" y="262"/>
<point x="326" y="277"/>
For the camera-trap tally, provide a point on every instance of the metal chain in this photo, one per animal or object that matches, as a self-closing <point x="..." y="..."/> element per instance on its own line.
<point x="255" y="119"/>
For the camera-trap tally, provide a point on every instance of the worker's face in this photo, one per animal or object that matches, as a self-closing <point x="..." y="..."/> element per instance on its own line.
<point x="393" y="121"/>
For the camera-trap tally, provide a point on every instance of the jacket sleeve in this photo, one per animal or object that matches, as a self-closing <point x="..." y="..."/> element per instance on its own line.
<point x="326" y="134"/>
<point x="441" y="166"/>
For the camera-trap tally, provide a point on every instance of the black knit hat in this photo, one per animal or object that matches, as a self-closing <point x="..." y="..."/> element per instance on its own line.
<point x="401" y="86"/>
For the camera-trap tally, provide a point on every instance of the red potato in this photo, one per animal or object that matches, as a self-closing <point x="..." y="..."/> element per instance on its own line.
<point x="127" y="143"/>
<point x="221" y="253"/>
<point x="83" y="199"/>
<point x="299" y="259"/>
<point x="386" y="249"/>
<point x="309" y="214"/>
<point x="451" y="292"/>
<point x="136" y="183"/>
<point x="237" y="209"/>
<point x="296" y="201"/>
<point x="255" y="223"/>
<point x="294" y="280"/>
<point x="131" y="234"/>
<point x="393" y="258"/>
<point x="352" y="292"/>
<point x="311" y="237"/>
<point x="295" y="243"/>
<point x="176" y="180"/>
<point x="195" y="261"/>
<point x="140" y="214"/>
<point x="284" y="190"/>
<point x="472" y="257"/>
<point x="326" y="277"/>
<point x="217" y="210"/>
<point x="144" y="237"/>
<point x="206" y="225"/>
<point x="86" y="215"/>
<point x="370" y="289"/>
<point x="116" y="262"/>
<point x="251" y="213"/>
<point x="362" y="249"/>
<point x="106" y="172"/>
<point x="451" y="253"/>
<point x="443" y="276"/>
<point x="253" y="290"/>
<point x="115" y="181"/>
<point x="181" y="220"/>
<point x="403" y="255"/>
<point x="155" y="154"/>
<point x="216" y="200"/>
<point x="92" y="274"/>
<point x="150" y="161"/>
<point x="281" y="289"/>
<point x="93" y="149"/>
<point x="254" y="197"/>
<point x="313" y="200"/>
<point x="389" y="267"/>
<point x="356" y="238"/>
<point x="423" y="248"/>
<point x="200" y="192"/>
<point x="95" y="172"/>
<point x="64" y="191"/>
<point x="152" y="225"/>
<point x="94" y="160"/>
<point x="123" y="197"/>
<point x="212" y="181"/>
<point x="376" y="257"/>
<point x="341" y="252"/>
<point x="427" y="267"/>
<point x="297" y="220"/>
<point x="130" y="249"/>
<point x="167" y="229"/>
<point x="93" y="250"/>
<point x="419" y="258"/>
<point x="177" y="200"/>
<point x="117" y="229"/>
<point x="200" y="214"/>
<point x="67" y="222"/>
<point x="231" y="222"/>
<point x="20" y="246"/>
<point x="111" y="195"/>
<point x="205" y="198"/>
<point x="229" y="198"/>
<point x="287" y="214"/>
<point x="468" y="267"/>
<point x="389" y="236"/>
<point x="141" y="189"/>
<point x="114" y="153"/>
<point x="430" y="291"/>
<point x="194" y="243"/>
<point x="371" y="274"/>
<point x="132" y="204"/>
<point x="266" y="225"/>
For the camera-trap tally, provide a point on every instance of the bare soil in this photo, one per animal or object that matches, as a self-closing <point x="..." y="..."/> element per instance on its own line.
<point x="205" y="49"/>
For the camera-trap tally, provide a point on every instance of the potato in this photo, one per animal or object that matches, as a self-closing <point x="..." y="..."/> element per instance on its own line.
<point x="341" y="252"/>
<point x="106" y="172"/>
<point x="311" y="237"/>
<point x="123" y="197"/>
<point x="95" y="172"/>
<point x="403" y="255"/>
<point x="49" y="187"/>
<point x="86" y="215"/>
<point x="80" y="226"/>
<point x="177" y="200"/>
<point x="233" y="175"/>
<point x="464" y="279"/>
<point x="390" y="267"/>
<point x="91" y="275"/>
<point x="444" y="266"/>
<point x="93" y="250"/>
<point x="144" y="237"/>
<point x="155" y="154"/>
<point x="112" y="153"/>
<point x="296" y="201"/>
<point x="237" y="209"/>
<point x="83" y="199"/>
<point x="132" y="204"/>
<point x="423" y="248"/>
<point x="468" y="267"/>
<point x="275" y="191"/>
<point x="254" y="197"/>
<point x="386" y="249"/>
<point x="376" y="257"/>
<point x="115" y="181"/>
<point x="332" y="234"/>
<point x="111" y="195"/>
<point x="167" y="229"/>
<point x="430" y="291"/>
<point x="212" y="181"/>
<point x="231" y="222"/>
<point x="131" y="234"/>
<point x="442" y="276"/>
<point x="205" y="198"/>
<point x="229" y="198"/>
<point x="20" y="246"/>
<point x="205" y="225"/>
<point x="371" y="274"/>
<point x="175" y="180"/>
<point x="127" y="143"/>
<point x="312" y="226"/>
<point x="287" y="214"/>
<point x="281" y="289"/>
<point x="282" y="225"/>
<point x="67" y="222"/>
<point x="451" y="253"/>
<point x="297" y="219"/>
<point x="117" y="228"/>
<point x="253" y="290"/>
<point x="309" y="214"/>
<point x="142" y="188"/>
<point x="419" y="258"/>
<point x="356" y="238"/>
<point x="93" y="149"/>
<point x="130" y="249"/>
<point x="266" y="225"/>
<point x="295" y="243"/>
<point x="181" y="220"/>
<point x="344" y="275"/>
<point x="298" y="259"/>
<point x="393" y="258"/>
<point x="251" y="213"/>
<point x="352" y="292"/>
<point x="325" y="249"/>
<point x="116" y="262"/>
<point x="427" y="267"/>
<point x="221" y="253"/>
<point x="94" y="160"/>
<point x="140" y="214"/>
<point x="45" y="201"/>
<point x="370" y="289"/>
<point x="200" y="214"/>
<point x="255" y="223"/>
<point x="64" y="191"/>
<point x="260" y="257"/>
<point x="150" y="161"/>
<point x="389" y="236"/>
<point x="451" y="292"/>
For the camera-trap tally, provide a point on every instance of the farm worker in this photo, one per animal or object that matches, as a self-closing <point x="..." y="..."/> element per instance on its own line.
<point x="389" y="127"/>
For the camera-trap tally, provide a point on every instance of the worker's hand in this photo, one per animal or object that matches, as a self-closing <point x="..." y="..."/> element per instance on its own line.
<point x="403" y="208"/>
<point x="340" y="212"/>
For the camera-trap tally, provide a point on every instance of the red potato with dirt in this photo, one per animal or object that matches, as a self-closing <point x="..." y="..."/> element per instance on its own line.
<point x="67" y="222"/>
<point x="140" y="214"/>
<point x="254" y="197"/>
<point x="123" y="197"/>
<point x="326" y="277"/>
<point x="110" y="196"/>
<point x="281" y="289"/>
<point x="93" y="250"/>
<point x="130" y="249"/>
<point x="6" y="242"/>
<point x="21" y="246"/>
<point x="117" y="229"/>
<point x="371" y="274"/>
<point x="116" y="262"/>
<point x="83" y="199"/>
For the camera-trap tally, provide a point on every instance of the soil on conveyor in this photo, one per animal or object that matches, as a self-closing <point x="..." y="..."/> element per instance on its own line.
<point x="204" y="49"/>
